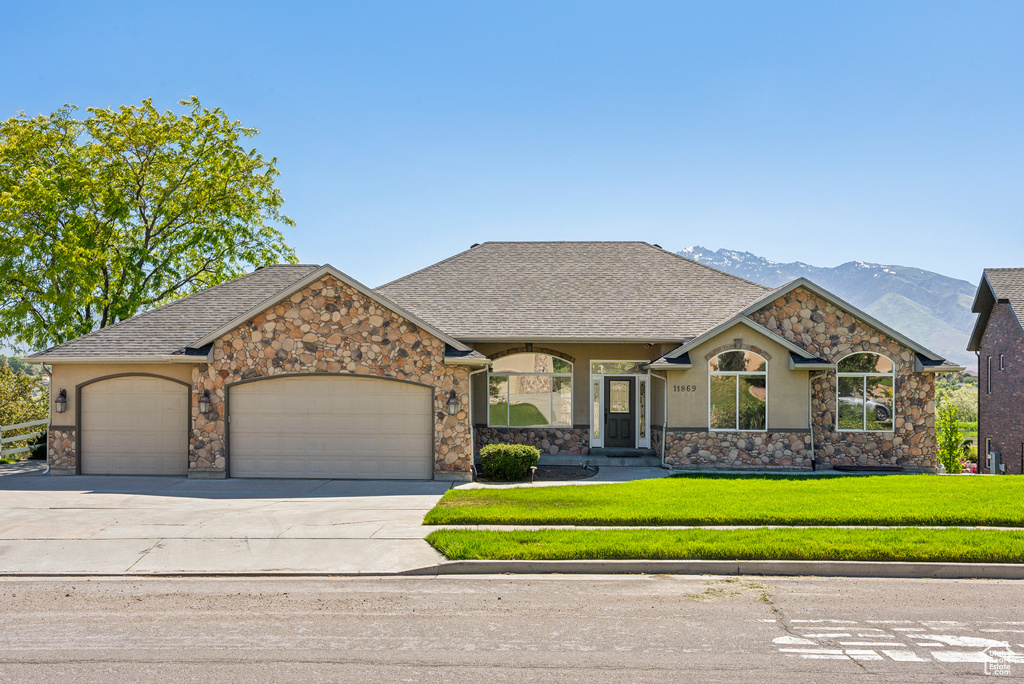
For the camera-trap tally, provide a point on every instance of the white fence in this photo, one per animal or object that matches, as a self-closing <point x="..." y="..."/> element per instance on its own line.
<point x="20" y="437"/>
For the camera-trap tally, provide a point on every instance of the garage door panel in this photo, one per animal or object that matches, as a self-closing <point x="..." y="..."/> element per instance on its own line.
<point x="134" y="426"/>
<point x="331" y="427"/>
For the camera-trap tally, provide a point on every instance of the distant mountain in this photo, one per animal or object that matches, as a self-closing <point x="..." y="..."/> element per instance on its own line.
<point x="930" y="308"/>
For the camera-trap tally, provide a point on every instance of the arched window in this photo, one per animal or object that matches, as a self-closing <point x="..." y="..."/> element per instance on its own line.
<point x="738" y="391"/>
<point x="529" y="390"/>
<point x="866" y="381"/>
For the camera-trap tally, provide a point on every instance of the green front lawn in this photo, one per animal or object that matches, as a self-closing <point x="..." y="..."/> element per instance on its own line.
<point x="895" y="544"/>
<point x="747" y="500"/>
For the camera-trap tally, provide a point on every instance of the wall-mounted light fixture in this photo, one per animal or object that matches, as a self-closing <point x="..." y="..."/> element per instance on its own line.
<point x="453" y="403"/>
<point x="61" y="402"/>
<point x="204" y="401"/>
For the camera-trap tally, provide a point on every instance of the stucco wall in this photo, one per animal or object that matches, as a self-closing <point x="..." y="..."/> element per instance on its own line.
<point x="581" y="355"/>
<point x="62" y="448"/>
<point x="787" y="390"/>
<point x="565" y="440"/>
<point x="70" y="375"/>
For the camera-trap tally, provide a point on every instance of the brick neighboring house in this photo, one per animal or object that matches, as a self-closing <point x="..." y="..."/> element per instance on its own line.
<point x="597" y="349"/>
<point x="998" y="339"/>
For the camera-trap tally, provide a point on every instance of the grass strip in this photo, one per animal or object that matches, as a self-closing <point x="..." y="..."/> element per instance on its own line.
<point x="887" y="545"/>
<point x="747" y="500"/>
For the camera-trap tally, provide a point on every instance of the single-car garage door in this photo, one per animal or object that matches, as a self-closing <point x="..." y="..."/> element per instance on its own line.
<point x="135" y="425"/>
<point x="331" y="427"/>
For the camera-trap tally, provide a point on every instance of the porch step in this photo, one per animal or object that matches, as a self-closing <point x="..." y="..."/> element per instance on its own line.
<point x="601" y="461"/>
<point x="622" y="452"/>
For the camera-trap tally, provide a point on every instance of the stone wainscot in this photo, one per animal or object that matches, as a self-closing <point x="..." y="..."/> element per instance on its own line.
<point x="565" y="440"/>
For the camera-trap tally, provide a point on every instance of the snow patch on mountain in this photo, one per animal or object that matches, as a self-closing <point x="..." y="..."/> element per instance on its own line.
<point x="933" y="309"/>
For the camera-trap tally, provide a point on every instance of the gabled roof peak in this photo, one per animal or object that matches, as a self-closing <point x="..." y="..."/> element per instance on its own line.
<point x="997" y="285"/>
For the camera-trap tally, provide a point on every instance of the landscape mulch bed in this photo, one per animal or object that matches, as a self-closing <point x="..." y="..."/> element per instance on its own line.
<point x="554" y="474"/>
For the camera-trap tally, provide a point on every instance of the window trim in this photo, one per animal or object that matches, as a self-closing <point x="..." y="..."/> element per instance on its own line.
<point x="988" y="375"/>
<point x="864" y="389"/>
<point x="1002" y="362"/>
<point x="553" y="375"/>
<point x="736" y="375"/>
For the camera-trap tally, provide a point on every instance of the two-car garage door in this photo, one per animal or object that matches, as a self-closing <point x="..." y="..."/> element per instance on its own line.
<point x="324" y="426"/>
<point x="331" y="427"/>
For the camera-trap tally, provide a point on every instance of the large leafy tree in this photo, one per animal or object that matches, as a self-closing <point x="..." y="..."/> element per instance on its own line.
<point x="23" y="398"/>
<point x="126" y="209"/>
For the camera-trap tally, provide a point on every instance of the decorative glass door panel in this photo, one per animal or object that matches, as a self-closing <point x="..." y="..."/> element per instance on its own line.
<point x="620" y="412"/>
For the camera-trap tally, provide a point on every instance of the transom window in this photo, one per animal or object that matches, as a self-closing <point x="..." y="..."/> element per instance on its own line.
<point x="529" y="390"/>
<point x="738" y="395"/>
<point x="866" y="381"/>
<point x="617" y="367"/>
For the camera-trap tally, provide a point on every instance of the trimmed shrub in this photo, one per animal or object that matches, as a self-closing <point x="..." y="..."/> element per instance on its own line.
<point x="508" y="462"/>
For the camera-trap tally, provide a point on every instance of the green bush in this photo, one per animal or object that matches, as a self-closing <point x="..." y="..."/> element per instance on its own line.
<point x="38" y="445"/>
<point x="508" y="462"/>
<point x="952" y="447"/>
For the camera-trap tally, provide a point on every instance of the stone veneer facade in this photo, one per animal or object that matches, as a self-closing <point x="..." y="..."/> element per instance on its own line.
<point x="60" y="450"/>
<point x="574" y="440"/>
<point x="826" y="331"/>
<point x="331" y="328"/>
<point x="709" y="449"/>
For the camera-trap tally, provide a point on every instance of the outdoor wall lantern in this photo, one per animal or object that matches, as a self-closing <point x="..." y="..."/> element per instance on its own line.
<point x="453" y="403"/>
<point x="61" y="402"/>
<point x="204" y="401"/>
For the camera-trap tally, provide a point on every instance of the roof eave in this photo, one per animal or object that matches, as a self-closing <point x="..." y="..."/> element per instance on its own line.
<point x="984" y="285"/>
<point x="473" y="339"/>
<point x="810" y="366"/>
<point x="941" y="366"/>
<point x="939" y="370"/>
<point x="462" y="361"/>
<point x="37" y="359"/>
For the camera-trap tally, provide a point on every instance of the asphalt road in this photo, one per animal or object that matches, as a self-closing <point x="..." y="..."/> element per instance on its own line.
<point x="510" y="629"/>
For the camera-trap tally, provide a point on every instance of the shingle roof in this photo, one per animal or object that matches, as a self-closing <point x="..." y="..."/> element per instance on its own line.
<point x="571" y="290"/>
<point x="1008" y="284"/>
<point x="997" y="284"/>
<point x="170" y="329"/>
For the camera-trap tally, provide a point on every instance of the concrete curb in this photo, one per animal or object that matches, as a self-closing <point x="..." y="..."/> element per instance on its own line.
<point x="743" y="567"/>
<point x="610" y="567"/>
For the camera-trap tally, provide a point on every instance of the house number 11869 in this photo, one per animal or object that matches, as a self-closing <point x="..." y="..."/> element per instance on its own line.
<point x="684" y="388"/>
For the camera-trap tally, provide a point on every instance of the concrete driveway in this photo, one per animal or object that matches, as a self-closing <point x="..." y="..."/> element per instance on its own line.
<point x="160" y="525"/>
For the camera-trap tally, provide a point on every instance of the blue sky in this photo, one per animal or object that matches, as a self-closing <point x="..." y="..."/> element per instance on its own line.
<point x="823" y="132"/>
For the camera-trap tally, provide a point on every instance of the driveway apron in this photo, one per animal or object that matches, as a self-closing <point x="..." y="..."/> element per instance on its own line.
<point x="167" y="525"/>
